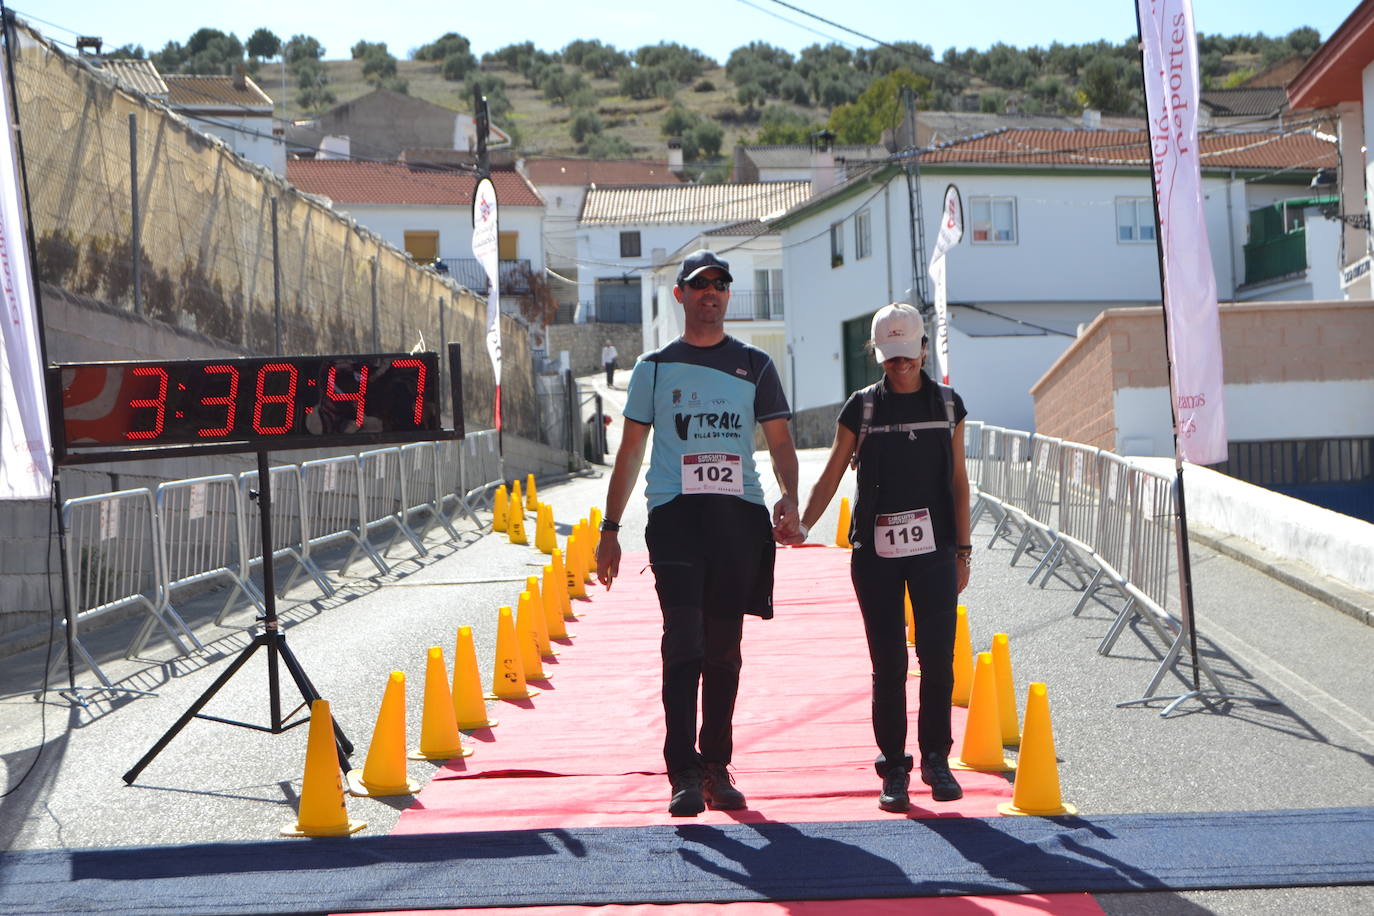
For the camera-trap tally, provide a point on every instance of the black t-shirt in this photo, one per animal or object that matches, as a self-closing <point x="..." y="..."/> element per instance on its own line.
<point x="901" y="471"/>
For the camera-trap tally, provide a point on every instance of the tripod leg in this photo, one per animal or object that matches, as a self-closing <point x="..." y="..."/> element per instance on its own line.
<point x="196" y="707"/>
<point x="308" y="691"/>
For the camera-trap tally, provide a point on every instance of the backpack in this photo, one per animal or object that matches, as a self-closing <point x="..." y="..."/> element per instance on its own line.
<point x="866" y="421"/>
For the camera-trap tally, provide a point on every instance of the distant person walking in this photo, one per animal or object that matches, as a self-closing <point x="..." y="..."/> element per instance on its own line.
<point x="910" y="532"/>
<point x="710" y="541"/>
<point x="608" y="358"/>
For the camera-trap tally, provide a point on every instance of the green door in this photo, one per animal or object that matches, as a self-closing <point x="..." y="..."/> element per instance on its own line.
<point x="860" y="370"/>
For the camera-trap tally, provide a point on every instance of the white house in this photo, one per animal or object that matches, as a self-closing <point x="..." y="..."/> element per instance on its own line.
<point x="757" y="308"/>
<point x="1059" y="225"/>
<point x="563" y="182"/>
<point x="234" y="109"/>
<point x="426" y="211"/>
<point x="623" y="232"/>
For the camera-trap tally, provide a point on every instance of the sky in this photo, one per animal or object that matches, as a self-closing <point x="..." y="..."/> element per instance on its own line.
<point x="715" y="27"/>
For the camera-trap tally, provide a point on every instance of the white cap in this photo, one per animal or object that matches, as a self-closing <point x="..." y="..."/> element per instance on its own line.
<point x="898" y="331"/>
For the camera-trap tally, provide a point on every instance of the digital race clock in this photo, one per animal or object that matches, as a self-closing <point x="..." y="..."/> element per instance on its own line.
<point x="246" y="404"/>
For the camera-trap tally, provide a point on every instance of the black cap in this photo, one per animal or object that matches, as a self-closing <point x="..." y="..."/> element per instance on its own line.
<point x="699" y="260"/>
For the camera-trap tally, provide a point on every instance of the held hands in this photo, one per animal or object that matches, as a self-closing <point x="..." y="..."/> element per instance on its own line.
<point x="787" y="522"/>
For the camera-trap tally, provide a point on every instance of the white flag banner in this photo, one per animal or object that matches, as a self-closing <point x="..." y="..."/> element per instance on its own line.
<point x="1190" y="292"/>
<point x="951" y="231"/>
<point x="485" y="249"/>
<point x="25" y="445"/>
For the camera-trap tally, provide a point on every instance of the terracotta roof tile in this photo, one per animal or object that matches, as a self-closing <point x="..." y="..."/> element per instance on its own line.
<point x="352" y="182"/>
<point x="601" y="172"/>
<point x="692" y="203"/>
<point x="1128" y="148"/>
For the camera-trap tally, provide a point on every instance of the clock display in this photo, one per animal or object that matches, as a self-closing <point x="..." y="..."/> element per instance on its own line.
<point x="272" y="402"/>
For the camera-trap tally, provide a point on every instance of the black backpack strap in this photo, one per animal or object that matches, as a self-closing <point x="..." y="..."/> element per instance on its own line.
<point x="869" y="396"/>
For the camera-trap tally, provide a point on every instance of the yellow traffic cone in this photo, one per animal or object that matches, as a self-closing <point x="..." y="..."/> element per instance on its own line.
<point x="537" y="618"/>
<point x="588" y="548"/>
<point x="469" y="709"/>
<point x="322" y="810"/>
<point x="528" y="638"/>
<point x="595" y="517"/>
<point x="982" y="748"/>
<point x="439" y="738"/>
<point x="508" y="675"/>
<point x="963" y="658"/>
<point x="545" y="538"/>
<point x="531" y="497"/>
<point x="517" y="501"/>
<point x="517" y="528"/>
<point x="915" y="669"/>
<point x="1036" y="791"/>
<point x="553" y="607"/>
<point x="500" y="510"/>
<point x="577" y="586"/>
<point x="560" y="573"/>
<point x="1006" y="690"/>
<point x="842" y="529"/>
<point x="384" y="772"/>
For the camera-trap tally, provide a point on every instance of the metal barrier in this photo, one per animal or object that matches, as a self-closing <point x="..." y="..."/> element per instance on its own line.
<point x="114" y="561"/>
<point x="202" y="538"/>
<point x="973" y="453"/>
<point x="1037" y="513"/>
<point x="1113" y="531"/>
<point x="1014" y="464"/>
<point x="1147" y="576"/>
<point x="1079" y="494"/>
<point x="420" y="486"/>
<point x="288" y="526"/>
<point x="332" y="492"/>
<point x="990" y="478"/>
<point x="381" y="487"/>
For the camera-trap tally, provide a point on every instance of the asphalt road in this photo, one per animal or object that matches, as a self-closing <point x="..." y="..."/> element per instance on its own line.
<point x="214" y="782"/>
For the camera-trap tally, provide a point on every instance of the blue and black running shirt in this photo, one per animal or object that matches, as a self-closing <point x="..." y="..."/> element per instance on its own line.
<point x="704" y="402"/>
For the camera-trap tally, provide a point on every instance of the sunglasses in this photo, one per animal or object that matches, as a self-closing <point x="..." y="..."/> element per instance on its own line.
<point x="703" y="282"/>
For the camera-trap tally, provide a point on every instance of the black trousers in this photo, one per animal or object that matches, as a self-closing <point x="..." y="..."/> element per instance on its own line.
<point x="712" y="560"/>
<point x="934" y="588"/>
<point x="610" y="374"/>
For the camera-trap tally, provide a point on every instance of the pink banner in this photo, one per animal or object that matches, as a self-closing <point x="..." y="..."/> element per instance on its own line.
<point x="25" y="447"/>
<point x="1190" y="293"/>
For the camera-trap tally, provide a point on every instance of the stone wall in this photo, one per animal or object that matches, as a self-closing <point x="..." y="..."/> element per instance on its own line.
<point x="584" y="342"/>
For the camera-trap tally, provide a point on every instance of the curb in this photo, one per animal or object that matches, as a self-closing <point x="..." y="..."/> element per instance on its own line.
<point x="1311" y="582"/>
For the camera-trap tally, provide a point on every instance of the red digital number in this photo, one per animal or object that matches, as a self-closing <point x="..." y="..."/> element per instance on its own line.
<point x="418" y="364"/>
<point x="228" y="401"/>
<point x="158" y="403"/>
<point x="263" y="398"/>
<point x="334" y="394"/>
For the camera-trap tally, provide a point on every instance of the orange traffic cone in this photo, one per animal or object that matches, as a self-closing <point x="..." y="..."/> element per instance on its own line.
<point x="553" y="608"/>
<point x="469" y="709"/>
<point x="384" y="772"/>
<point x="528" y="638"/>
<point x="538" y="621"/>
<point x="1006" y="690"/>
<point x="1036" y="791"/>
<point x="560" y="573"/>
<point x="508" y="675"/>
<point x="577" y="586"/>
<point x="500" y="510"/>
<point x="439" y="738"/>
<point x="963" y="658"/>
<point x="982" y="748"/>
<point x="531" y="497"/>
<point x="322" y="811"/>
<point x="842" y="528"/>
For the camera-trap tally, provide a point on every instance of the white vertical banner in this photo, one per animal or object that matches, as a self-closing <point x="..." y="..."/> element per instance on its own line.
<point x="25" y="445"/>
<point x="1169" y="43"/>
<point x="951" y="231"/>
<point x="485" y="249"/>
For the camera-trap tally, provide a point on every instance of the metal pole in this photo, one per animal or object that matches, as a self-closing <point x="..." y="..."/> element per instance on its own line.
<point x="135" y="233"/>
<point x="276" y="279"/>
<point x="376" y="346"/>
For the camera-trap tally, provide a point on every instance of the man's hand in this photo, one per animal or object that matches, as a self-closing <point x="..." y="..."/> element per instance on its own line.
<point x="608" y="558"/>
<point x="786" y="521"/>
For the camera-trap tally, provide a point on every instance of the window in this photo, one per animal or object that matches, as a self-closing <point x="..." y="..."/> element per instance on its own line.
<point x="836" y="244"/>
<point x="422" y="245"/>
<point x="507" y="246"/>
<point x="1135" y="220"/>
<point x="629" y="244"/>
<point x="993" y="220"/>
<point x="767" y="293"/>
<point x="863" y="235"/>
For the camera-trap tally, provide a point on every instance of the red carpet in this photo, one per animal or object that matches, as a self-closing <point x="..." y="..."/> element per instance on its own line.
<point x="586" y="752"/>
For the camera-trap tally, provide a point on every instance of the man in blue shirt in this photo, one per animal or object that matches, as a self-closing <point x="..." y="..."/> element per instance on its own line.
<point x="710" y="539"/>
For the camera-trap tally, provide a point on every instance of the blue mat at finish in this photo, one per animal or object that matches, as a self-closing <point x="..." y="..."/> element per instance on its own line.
<point x="698" y="862"/>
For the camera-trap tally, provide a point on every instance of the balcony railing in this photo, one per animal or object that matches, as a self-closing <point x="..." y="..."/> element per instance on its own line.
<point x="1276" y="257"/>
<point x="514" y="274"/>
<point x="755" y="305"/>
